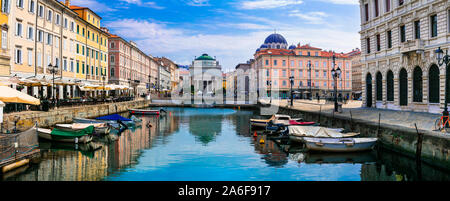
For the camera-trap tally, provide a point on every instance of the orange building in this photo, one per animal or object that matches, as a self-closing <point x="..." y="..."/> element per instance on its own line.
<point x="275" y="62"/>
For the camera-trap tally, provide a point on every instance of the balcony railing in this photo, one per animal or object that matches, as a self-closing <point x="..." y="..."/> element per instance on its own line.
<point x="412" y="45"/>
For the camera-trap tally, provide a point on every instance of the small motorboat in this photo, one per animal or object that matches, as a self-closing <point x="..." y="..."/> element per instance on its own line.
<point x="59" y="135"/>
<point x="99" y="128"/>
<point x="144" y="112"/>
<point x="276" y="119"/>
<point x="339" y="144"/>
<point x="298" y="133"/>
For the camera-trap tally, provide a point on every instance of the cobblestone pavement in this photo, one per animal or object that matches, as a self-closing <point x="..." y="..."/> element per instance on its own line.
<point x="424" y="121"/>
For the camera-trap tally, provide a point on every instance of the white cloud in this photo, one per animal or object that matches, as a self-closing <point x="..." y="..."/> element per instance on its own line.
<point x="343" y="2"/>
<point x="267" y="4"/>
<point x="310" y="17"/>
<point x="197" y="2"/>
<point x="93" y="4"/>
<point x="149" y="4"/>
<point x="245" y="26"/>
<point x="230" y="49"/>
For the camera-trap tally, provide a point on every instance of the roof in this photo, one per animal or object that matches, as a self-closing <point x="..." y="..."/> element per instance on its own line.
<point x="275" y="38"/>
<point x="307" y="46"/>
<point x="205" y="57"/>
<point x="72" y="7"/>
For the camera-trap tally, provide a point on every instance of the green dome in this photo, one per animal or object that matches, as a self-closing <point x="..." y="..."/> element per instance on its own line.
<point x="205" y="57"/>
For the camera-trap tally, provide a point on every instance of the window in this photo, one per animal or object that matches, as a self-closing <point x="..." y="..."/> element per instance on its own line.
<point x="325" y="74"/>
<point x="112" y="46"/>
<point x="400" y="2"/>
<point x="284" y="62"/>
<point x="274" y="62"/>
<point x="433" y="86"/>
<point x="49" y="15"/>
<point x="20" y="3"/>
<point x="112" y="72"/>
<point x="417" y="29"/>
<point x="284" y="73"/>
<point x="71" y="65"/>
<point x="317" y="73"/>
<point x="417" y="85"/>
<point x="5" y="6"/>
<point x="19" y="29"/>
<point x="433" y="21"/>
<point x="39" y="59"/>
<point x="82" y="68"/>
<point x="113" y="60"/>
<point x="366" y="11"/>
<point x="402" y="33"/>
<point x="292" y="63"/>
<point x="379" y="86"/>
<point x="41" y="11"/>
<point x="388" y="5"/>
<point x="65" y="64"/>
<point x="316" y="54"/>
<point x="72" y="26"/>
<point x="368" y="45"/>
<point x="30" y="33"/>
<point x="300" y="64"/>
<point x="18" y="56"/>
<point x="30" y="57"/>
<point x="4" y="39"/>
<point x="49" y="39"/>
<point x="376" y="8"/>
<point x="78" y="67"/>
<point x="31" y="5"/>
<point x="389" y="39"/>
<point x="316" y="64"/>
<point x="66" y="23"/>
<point x="284" y="83"/>
<point x="378" y="42"/>
<point x="300" y="73"/>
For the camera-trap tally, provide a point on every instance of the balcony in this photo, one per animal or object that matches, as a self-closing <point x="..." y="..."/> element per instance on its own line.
<point x="412" y="46"/>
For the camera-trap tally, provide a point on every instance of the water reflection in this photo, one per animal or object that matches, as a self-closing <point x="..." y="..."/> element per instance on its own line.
<point x="210" y="144"/>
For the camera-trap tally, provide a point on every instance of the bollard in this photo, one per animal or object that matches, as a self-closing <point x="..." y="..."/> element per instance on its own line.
<point x="419" y="144"/>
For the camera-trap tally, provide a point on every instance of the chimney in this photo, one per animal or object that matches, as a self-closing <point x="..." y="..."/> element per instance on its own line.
<point x="67" y="3"/>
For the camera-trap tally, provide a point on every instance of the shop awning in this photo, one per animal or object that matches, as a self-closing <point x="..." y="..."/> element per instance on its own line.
<point x="10" y="95"/>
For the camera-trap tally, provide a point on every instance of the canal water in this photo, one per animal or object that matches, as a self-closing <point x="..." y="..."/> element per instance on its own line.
<point x="210" y="144"/>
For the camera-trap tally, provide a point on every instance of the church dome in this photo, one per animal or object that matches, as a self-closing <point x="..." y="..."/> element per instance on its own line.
<point x="205" y="57"/>
<point x="292" y="47"/>
<point x="275" y="38"/>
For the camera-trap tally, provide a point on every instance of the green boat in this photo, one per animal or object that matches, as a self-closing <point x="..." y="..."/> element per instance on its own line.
<point x="59" y="135"/>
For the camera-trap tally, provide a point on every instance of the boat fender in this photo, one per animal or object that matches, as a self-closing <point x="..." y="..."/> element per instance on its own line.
<point x="261" y="141"/>
<point x="76" y="140"/>
<point x="255" y="134"/>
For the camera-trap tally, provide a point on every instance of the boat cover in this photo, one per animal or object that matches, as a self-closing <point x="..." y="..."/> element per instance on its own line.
<point x="135" y="119"/>
<point x="59" y="133"/>
<point x="114" y="117"/>
<point x="317" y="131"/>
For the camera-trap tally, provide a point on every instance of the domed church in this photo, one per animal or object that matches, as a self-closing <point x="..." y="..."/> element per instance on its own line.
<point x="275" y="41"/>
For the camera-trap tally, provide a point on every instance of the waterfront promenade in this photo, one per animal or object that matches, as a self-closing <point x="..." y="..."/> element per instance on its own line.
<point x="354" y="110"/>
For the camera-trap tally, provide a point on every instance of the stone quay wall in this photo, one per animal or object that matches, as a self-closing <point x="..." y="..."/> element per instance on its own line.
<point x="65" y="115"/>
<point x="435" y="146"/>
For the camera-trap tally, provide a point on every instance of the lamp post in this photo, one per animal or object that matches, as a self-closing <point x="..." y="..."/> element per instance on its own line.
<point x="336" y="74"/>
<point x="53" y="70"/>
<point x="310" y="80"/>
<point x="270" y="84"/>
<point x="444" y="59"/>
<point x="292" y="95"/>
<point x="104" y="91"/>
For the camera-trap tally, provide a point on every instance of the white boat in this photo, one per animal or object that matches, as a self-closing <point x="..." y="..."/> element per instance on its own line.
<point x="276" y="119"/>
<point x="47" y="134"/>
<point x="100" y="128"/>
<point x="339" y="144"/>
<point x="298" y="133"/>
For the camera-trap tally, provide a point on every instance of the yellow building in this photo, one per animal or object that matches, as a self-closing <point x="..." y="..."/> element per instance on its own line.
<point x="91" y="46"/>
<point x="5" y="67"/>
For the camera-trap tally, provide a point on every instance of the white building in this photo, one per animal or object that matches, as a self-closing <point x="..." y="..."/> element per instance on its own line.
<point x="206" y="74"/>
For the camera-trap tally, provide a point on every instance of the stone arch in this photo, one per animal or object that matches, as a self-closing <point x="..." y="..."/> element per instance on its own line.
<point x="433" y="84"/>
<point x="403" y="87"/>
<point x="379" y="86"/>
<point x="417" y="84"/>
<point x="389" y="85"/>
<point x="369" y="99"/>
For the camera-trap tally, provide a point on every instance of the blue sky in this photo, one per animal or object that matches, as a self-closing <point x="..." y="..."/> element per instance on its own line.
<point x="230" y="30"/>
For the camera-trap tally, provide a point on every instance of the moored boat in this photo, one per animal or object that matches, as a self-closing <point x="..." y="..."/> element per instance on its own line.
<point x="339" y="144"/>
<point x="276" y="119"/>
<point x="99" y="128"/>
<point x="298" y="133"/>
<point x="58" y="135"/>
<point x="144" y="112"/>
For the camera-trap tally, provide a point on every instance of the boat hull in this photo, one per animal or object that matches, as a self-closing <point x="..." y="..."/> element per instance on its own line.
<point x="98" y="130"/>
<point x="46" y="134"/>
<point x="144" y="112"/>
<point x="339" y="144"/>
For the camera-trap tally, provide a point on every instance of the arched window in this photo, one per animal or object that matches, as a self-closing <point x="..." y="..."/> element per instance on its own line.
<point x="433" y="86"/>
<point x="403" y="87"/>
<point x="390" y="86"/>
<point x="379" y="86"/>
<point x="417" y="85"/>
<point x="369" y="90"/>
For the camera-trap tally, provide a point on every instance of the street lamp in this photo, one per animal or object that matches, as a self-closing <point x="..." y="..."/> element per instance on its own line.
<point x="310" y="80"/>
<point x="444" y="59"/>
<point x="336" y="74"/>
<point x="53" y="70"/>
<point x="270" y="84"/>
<point x="103" y="78"/>
<point x="292" y="95"/>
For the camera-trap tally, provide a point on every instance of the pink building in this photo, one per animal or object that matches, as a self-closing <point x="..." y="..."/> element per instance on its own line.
<point x="128" y="65"/>
<point x="275" y="62"/>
